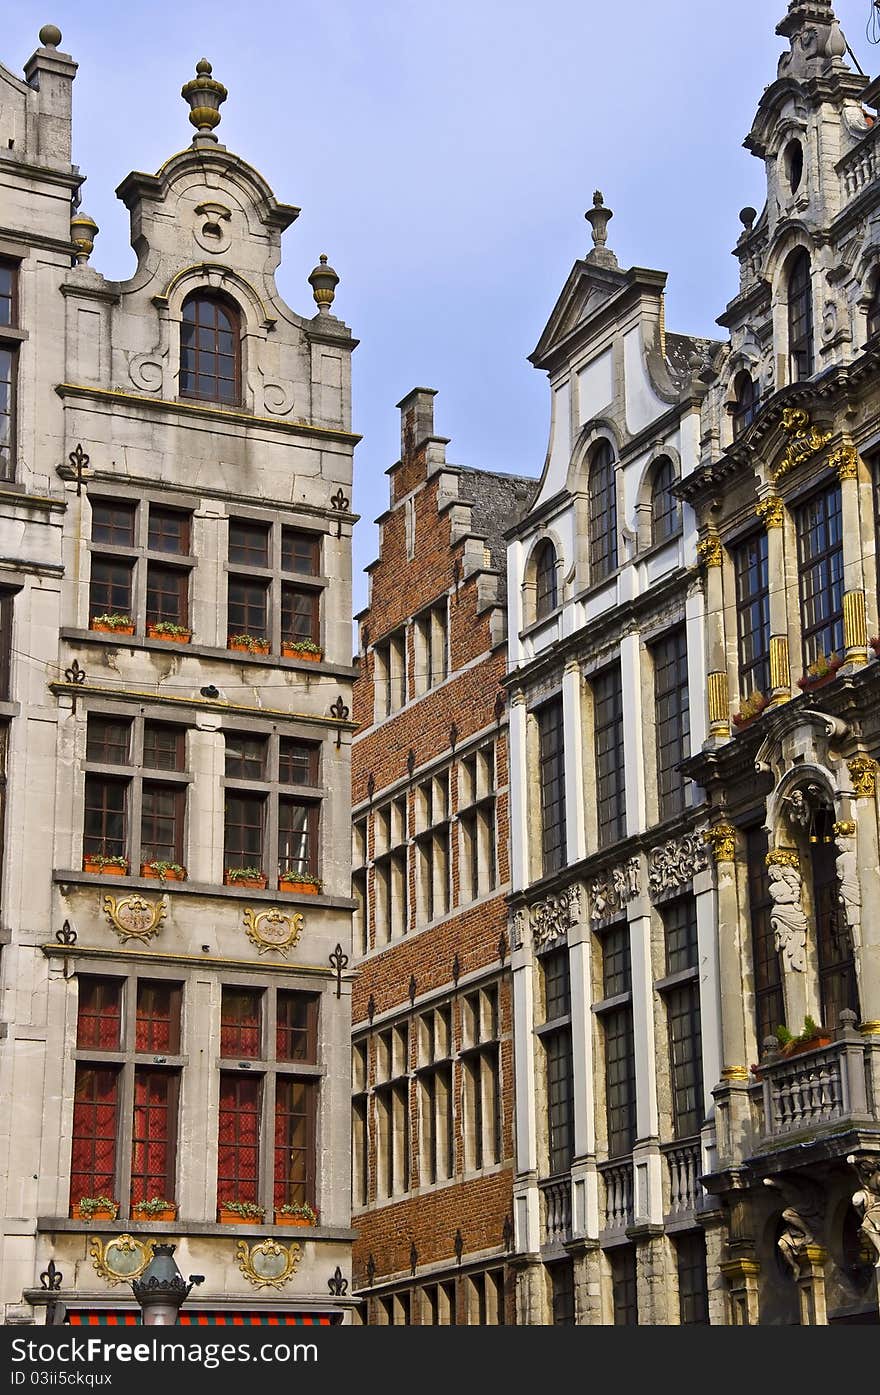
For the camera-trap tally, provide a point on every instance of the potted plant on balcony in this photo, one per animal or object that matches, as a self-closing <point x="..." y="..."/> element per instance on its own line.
<point x="810" y="1039"/>
<point x="750" y="708"/>
<point x="113" y="624"/>
<point x="167" y="630"/>
<point x="107" y="866"/>
<point x="296" y="1213"/>
<point x="95" y="1208"/>
<point x="156" y="1209"/>
<point x="301" y="649"/>
<point x="165" y="871"/>
<point x="251" y="644"/>
<point x="245" y="877"/>
<point x="820" y="671"/>
<point x="299" y="883"/>
<point x="232" y="1212"/>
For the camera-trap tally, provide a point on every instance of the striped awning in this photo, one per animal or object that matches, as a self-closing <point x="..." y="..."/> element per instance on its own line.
<point x="131" y="1317"/>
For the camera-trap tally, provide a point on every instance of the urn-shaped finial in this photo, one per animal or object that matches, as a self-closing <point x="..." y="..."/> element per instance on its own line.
<point x="204" y="94"/>
<point x="83" y="231"/>
<point x="323" y="280"/>
<point x="599" y="217"/>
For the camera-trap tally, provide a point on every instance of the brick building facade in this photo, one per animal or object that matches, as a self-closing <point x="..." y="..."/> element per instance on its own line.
<point x="432" y="1075"/>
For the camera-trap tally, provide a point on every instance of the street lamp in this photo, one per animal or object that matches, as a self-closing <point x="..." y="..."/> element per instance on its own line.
<point x="162" y="1289"/>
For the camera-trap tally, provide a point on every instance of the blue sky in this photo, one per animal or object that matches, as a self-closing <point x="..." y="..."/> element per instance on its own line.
<point x="443" y="155"/>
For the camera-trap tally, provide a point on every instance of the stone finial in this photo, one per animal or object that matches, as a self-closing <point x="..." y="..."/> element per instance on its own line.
<point x="205" y="95"/>
<point x="747" y="217"/>
<point x="599" y="217"/>
<point x="50" y="36"/>
<point x="323" y="281"/>
<point x="83" y="231"/>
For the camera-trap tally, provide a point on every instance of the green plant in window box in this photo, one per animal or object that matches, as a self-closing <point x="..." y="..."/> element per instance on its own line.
<point x="749" y="708"/>
<point x="823" y="666"/>
<point x="253" y="644"/>
<point x="102" y="862"/>
<point x="247" y="876"/>
<point x="301" y="649"/>
<point x="165" y="871"/>
<point x="241" y="1210"/>
<point x="123" y="624"/>
<point x="95" y="1207"/>
<point x="306" y="882"/>
<point x="156" y="1209"/>
<point x="166" y="629"/>
<point x="296" y="1213"/>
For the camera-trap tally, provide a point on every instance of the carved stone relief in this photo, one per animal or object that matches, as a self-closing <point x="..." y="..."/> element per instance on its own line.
<point x="610" y="891"/>
<point x="787" y="919"/>
<point x="675" y="863"/>
<point x="551" y="919"/>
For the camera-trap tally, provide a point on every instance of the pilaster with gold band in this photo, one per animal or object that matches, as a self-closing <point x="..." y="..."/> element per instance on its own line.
<point x="719" y="704"/>
<point x="709" y="551"/>
<point x="845" y="460"/>
<point x="737" y="1073"/>
<point x="782" y="857"/>
<point x="863" y="773"/>
<point x="770" y="511"/>
<point x="780" y="669"/>
<point x="721" y="838"/>
<point x="855" y="627"/>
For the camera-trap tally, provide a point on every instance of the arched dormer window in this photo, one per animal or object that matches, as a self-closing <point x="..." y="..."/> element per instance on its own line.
<point x="210" y="349"/>
<point x="665" y="508"/>
<point x="603" y="513"/>
<point x="800" y="317"/>
<point x="546" y="596"/>
<point x="745" y="403"/>
<point x="874" y="309"/>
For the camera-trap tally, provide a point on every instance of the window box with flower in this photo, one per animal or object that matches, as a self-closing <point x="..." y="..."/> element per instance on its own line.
<point x="165" y="871"/>
<point x="113" y="624"/>
<point x="812" y="1038"/>
<point x="750" y="708"/>
<point x="167" y="630"/>
<point x="94" y="1208"/>
<point x="299" y="883"/>
<point x="296" y="1213"/>
<point x="105" y="865"/>
<point x="250" y="644"/>
<point x="245" y="876"/>
<point x="820" y="671"/>
<point x="233" y="1212"/>
<point x="156" y="1209"/>
<point x="301" y="649"/>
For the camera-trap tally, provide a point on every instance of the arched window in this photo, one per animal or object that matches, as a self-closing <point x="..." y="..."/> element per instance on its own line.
<point x="665" y="508"/>
<point x="800" y="318"/>
<point x="874" y="309"/>
<point x="603" y="513"/>
<point x="746" y="402"/>
<point x="794" y="164"/>
<point x="546" y="599"/>
<point x="210" y="349"/>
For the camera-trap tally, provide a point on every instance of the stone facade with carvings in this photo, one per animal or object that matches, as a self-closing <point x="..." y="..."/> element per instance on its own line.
<point x="786" y="496"/>
<point x="175" y="608"/>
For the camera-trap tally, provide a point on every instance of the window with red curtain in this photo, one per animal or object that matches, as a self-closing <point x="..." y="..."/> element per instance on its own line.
<point x="95" y="1124"/>
<point x="157" y="1019"/>
<point x="240" y="1022"/>
<point x="294" y="1140"/>
<point x="152" y="1135"/>
<point x="238" y="1155"/>
<point x="99" y="1016"/>
<point x="296" y="1027"/>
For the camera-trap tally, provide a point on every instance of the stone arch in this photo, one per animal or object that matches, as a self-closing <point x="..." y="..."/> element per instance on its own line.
<point x="544" y="538"/>
<point x="644" y="493"/>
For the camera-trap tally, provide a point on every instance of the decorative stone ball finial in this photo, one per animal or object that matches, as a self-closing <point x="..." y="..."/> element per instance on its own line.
<point x="323" y="281"/>
<point x="747" y="217"/>
<point x="83" y="231"/>
<point x="50" y="36"/>
<point x="204" y="94"/>
<point x="599" y="217"/>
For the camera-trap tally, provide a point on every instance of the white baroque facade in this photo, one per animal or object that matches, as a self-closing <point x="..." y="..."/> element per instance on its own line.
<point x="175" y="589"/>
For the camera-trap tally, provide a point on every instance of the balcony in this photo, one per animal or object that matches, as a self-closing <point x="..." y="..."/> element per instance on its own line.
<point x="683" y="1166"/>
<point x="859" y="168"/>
<point x="618" y="1207"/>
<point x="556" y="1198"/>
<point x="819" y="1091"/>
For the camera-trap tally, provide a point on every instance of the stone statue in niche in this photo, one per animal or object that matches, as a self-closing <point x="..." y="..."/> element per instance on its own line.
<point x="802" y="1217"/>
<point x="849" y="889"/>
<point x="867" y="1199"/>
<point x="787" y="919"/>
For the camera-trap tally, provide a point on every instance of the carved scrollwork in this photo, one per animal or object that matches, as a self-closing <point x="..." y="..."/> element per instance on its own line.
<point x="551" y="919"/>
<point x="147" y="370"/>
<point x="268" y="1264"/>
<point x="675" y="863"/>
<point x="134" y="917"/>
<point x="272" y="930"/>
<point x="610" y="891"/>
<point x="121" y="1259"/>
<point x="804" y="440"/>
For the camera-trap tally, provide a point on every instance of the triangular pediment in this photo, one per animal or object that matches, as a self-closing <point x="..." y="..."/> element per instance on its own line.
<point x="587" y="290"/>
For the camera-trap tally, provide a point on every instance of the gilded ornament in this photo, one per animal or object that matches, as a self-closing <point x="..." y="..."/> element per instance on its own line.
<point x="844" y="828"/>
<point x="845" y="460"/>
<point x="722" y="839"/>
<point x="770" y="511"/>
<point x="782" y="857"/>
<point x="121" y="1259"/>
<point x="709" y="551"/>
<point x="780" y="673"/>
<point x="863" y="773"/>
<point x="855" y="625"/>
<point x="805" y="440"/>
<point x="272" y="930"/>
<point x="870" y="1029"/>
<point x="735" y="1073"/>
<point x="718" y="693"/>
<point x="268" y="1264"/>
<point x="134" y="917"/>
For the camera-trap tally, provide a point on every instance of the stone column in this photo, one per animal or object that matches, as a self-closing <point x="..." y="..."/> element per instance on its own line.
<point x="634" y="750"/>
<point x="518" y="803"/>
<point x="811" y="1286"/>
<point x="722" y="839"/>
<point x="207" y="763"/>
<point x="855" y="625"/>
<point x="716" y="1245"/>
<point x="647" y="1162"/>
<point x="855" y="887"/>
<point x="770" y="512"/>
<point x="742" y="1283"/>
<point x="576" y="846"/>
<point x="588" y="1287"/>
<point x="717" y="688"/>
<point x="654" y="1278"/>
<point x="585" y="1180"/>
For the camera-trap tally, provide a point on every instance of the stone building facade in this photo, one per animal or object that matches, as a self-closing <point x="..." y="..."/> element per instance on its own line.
<point x="693" y="602"/>
<point x="787" y="498"/>
<point x="432" y="1074"/>
<point x="175" y="611"/>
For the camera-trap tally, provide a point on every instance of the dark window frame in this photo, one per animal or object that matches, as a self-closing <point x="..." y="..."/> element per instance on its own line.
<point x="133" y="565"/>
<point x="820" y="573"/>
<point x="799" y="291"/>
<point x="546" y="587"/>
<point x="272" y="796"/>
<point x="746" y="402"/>
<point x="665" y="506"/>
<point x="602" y="493"/>
<point x="609" y="755"/>
<point x="104" y="773"/>
<point x="266" y="598"/>
<point x="767" y="976"/>
<point x="672" y="720"/>
<point x="551" y="763"/>
<point x="203" y="361"/>
<point x="555" y="1036"/>
<point x="751" y="568"/>
<point x="10" y="339"/>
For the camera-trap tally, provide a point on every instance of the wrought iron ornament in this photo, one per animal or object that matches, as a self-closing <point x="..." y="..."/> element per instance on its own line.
<point x="337" y="1283"/>
<point x="338" y="962"/>
<point x="51" y="1278"/>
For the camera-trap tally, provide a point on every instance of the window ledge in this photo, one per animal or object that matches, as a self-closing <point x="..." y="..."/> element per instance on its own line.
<point x="609" y="1004"/>
<point x="205" y="651"/>
<point x="676" y="980"/>
<point x="64" y="1225"/>
<point x="74" y="878"/>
